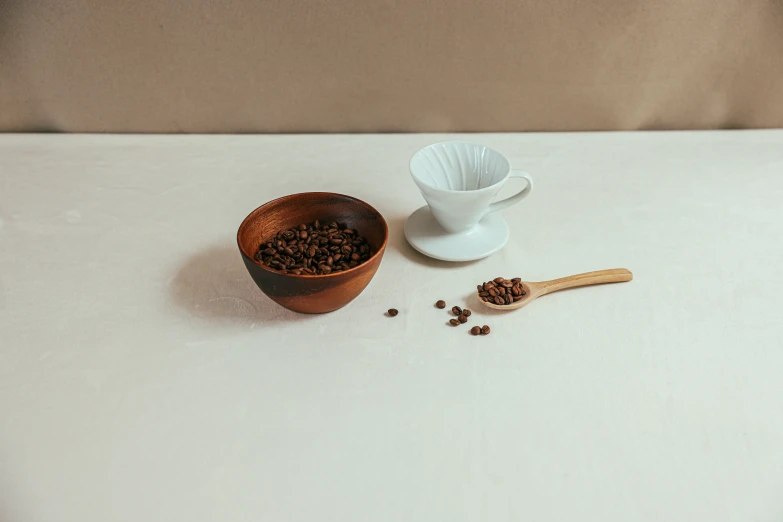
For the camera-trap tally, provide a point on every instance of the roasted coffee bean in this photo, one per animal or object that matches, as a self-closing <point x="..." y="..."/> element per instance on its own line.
<point x="462" y="319"/>
<point x="507" y="298"/>
<point x="498" y="280"/>
<point x="493" y="291"/>
<point x="485" y="330"/>
<point x="466" y="312"/>
<point x="393" y="311"/>
<point x="314" y="249"/>
<point x="475" y="330"/>
<point x="499" y="300"/>
<point x="441" y="304"/>
<point x="454" y="322"/>
<point x="456" y="310"/>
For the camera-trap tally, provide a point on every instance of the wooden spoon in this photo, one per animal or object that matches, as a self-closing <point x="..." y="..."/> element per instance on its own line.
<point x="536" y="290"/>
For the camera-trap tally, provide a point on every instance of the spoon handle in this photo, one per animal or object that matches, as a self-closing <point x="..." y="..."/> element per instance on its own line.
<point x="615" y="275"/>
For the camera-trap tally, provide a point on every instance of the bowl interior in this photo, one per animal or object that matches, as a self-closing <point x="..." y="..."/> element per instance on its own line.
<point x="286" y="212"/>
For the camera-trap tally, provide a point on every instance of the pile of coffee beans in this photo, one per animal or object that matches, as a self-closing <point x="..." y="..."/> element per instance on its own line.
<point x="314" y="249"/>
<point x="501" y="291"/>
<point x="462" y="316"/>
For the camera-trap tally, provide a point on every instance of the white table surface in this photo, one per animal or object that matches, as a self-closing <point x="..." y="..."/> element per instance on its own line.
<point x="143" y="377"/>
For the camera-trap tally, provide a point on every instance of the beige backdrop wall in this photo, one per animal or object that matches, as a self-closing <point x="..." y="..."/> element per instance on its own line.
<point x="389" y="65"/>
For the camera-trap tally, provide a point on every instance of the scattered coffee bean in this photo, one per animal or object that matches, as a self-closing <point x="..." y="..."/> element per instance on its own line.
<point x="462" y="319"/>
<point x="393" y="311"/>
<point x="441" y="304"/>
<point x="454" y="322"/>
<point x="476" y="330"/>
<point x="466" y="312"/>
<point x="501" y="291"/>
<point x="485" y="330"/>
<point x="314" y="249"/>
<point x="456" y="310"/>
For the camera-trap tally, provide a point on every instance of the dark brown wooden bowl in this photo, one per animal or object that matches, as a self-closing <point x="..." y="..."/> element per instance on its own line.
<point x="308" y="294"/>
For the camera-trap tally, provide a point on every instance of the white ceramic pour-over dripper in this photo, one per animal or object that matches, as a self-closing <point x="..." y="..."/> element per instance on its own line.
<point x="459" y="180"/>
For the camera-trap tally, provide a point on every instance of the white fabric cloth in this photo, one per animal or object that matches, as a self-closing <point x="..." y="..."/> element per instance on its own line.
<point x="143" y="376"/>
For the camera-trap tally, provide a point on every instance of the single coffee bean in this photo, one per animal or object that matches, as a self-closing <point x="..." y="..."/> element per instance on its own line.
<point x="454" y="322"/>
<point x="456" y="310"/>
<point x="475" y="330"/>
<point x="462" y="319"/>
<point x="508" y="299"/>
<point x="499" y="300"/>
<point x="498" y="280"/>
<point x="493" y="291"/>
<point x="485" y="330"/>
<point x="393" y="312"/>
<point x="441" y="304"/>
<point x="466" y="312"/>
<point x="517" y="298"/>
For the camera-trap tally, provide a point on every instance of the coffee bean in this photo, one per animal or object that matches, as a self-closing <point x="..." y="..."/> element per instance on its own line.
<point x="466" y="312"/>
<point x="485" y="330"/>
<point x="498" y="280"/>
<point x="456" y="310"/>
<point x="314" y="249"/>
<point x="441" y="304"/>
<point x="507" y="299"/>
<point x="475" y="330"/>
<point x="454" y="322"/>
<point x="493" y="291"/>
<point x="393" y="312"/>
<point x="499" y="300"/>
<point x="462" y="319"/>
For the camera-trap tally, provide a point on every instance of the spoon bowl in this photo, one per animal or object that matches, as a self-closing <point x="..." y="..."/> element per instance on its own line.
<point x="534" y="290"/>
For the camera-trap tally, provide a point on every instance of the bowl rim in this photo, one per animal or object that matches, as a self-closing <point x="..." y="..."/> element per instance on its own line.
<point x="317" y="276"/>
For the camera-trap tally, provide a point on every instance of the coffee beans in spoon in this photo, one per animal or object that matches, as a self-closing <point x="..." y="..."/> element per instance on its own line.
<point x="501" y="291"/>
<point x="314" y="249"/>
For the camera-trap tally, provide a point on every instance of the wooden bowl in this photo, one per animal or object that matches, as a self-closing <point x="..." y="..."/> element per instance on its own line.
<point x="312" y="294"/>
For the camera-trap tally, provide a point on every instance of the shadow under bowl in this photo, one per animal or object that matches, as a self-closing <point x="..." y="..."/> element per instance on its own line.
<point x="314" y="294"/>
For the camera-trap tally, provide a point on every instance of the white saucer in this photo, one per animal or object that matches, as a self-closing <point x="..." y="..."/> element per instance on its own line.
<point x="426" y="235"/>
